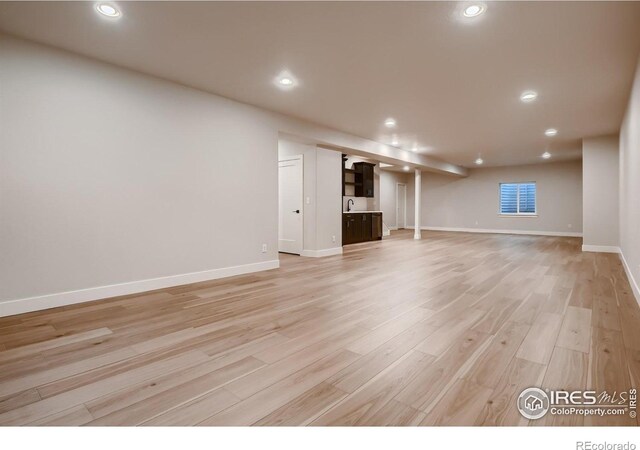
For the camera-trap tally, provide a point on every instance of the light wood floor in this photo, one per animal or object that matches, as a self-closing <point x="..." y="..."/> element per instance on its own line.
<point x="443" y="331"/>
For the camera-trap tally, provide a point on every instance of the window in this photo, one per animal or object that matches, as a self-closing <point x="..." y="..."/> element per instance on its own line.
<point x="518" y="199"/>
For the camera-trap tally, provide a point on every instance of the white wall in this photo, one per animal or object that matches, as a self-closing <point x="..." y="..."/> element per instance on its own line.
<point x="108" y="177"/>
<point x="388" y="182"/>
<point x="114" y="182"/>
<point x="322" y="219"/>
<point x="328" y="200"/>
<point x="472" y="202"/>
<point x="630" y="186"/>
<point x="600" y="168"/>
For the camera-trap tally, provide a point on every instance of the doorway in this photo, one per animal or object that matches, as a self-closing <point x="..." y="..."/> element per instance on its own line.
<point x="290" y="201"/>
<point x="401" y="205"/>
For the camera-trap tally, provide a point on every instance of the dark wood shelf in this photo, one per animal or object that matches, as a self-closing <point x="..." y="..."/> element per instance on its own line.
<point x="362" y="178"/>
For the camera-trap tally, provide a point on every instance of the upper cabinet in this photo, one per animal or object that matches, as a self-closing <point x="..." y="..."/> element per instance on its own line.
<point x="364" y="174"/>
<point x="358" y="181"/>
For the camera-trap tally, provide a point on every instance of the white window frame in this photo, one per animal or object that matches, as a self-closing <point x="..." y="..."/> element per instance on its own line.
<point x="517" y="214"/>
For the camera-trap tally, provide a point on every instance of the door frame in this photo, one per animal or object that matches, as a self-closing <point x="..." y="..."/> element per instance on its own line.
<point x="285" y="159"/>
<point x="405" y="205"/>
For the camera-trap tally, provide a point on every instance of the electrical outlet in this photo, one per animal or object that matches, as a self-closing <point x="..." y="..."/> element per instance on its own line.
<point x="569" y="226"/>
<point x="264" y="248"/>
<point x="476" y="222"/>
<point x="333" y="239"/>
<point x="308" y="200"/>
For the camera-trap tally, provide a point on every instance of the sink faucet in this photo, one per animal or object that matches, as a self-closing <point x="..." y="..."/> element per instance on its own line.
<point x="349" y="203"/>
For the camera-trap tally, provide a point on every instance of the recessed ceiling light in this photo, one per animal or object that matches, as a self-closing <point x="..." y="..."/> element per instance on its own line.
<point x="390" y="122"/>
<point x="285" y="80"/>
<point x="479" y="161"/>
<point x="528" y="96"/>
<point x="551" y="132"/>
<point x="473" y="10"/>
<point x="546" y="155"/>
<point x="395" y="141"/>
<point x="406" y="168"/>
<point x="107" y="10"/>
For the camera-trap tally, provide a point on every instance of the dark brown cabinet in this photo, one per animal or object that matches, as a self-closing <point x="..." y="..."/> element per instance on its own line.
<point x="357" y="181"/>
<point x="361" y="227"/>
<point x="376" y="226"/>
<point x="364" y="179"/>
<point x="366" y="226"/>
<point x="351" y="229"/>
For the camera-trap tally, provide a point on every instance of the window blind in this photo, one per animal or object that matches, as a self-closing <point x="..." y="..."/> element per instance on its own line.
<point x="518" y="198"/>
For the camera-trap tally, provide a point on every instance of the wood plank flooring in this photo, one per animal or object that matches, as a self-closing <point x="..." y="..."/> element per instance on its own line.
<point x="443" y="331"/>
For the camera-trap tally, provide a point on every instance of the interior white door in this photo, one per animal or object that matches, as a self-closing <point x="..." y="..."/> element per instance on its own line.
<point x="401" y="205"/>
<point x="290" y="193"/>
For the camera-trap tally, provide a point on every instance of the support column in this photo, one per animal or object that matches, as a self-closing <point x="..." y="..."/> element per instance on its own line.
<point x="416" y="220"/>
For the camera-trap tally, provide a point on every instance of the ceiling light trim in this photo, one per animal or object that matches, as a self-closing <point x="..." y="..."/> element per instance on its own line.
<point x="473" y="10"/>
<point x="286" y="81"/>
<point x="108" y="10"/>
<point x="528" y="96"/>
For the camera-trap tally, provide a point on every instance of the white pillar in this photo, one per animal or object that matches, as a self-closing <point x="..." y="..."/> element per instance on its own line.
<point x="416" y="221"/>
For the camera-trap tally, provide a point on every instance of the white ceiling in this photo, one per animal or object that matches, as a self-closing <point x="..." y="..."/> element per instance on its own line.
<point x="451" y="84"/>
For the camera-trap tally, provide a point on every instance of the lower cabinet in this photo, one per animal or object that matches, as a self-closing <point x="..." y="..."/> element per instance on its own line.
<point x="349" y="232"/>
<point x="366" y="227"/>
<point x="361" y="227"/>
<point x="376" y="226"/>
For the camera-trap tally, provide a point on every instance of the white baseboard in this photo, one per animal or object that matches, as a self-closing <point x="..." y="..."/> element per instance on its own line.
<point x="322" y="253"/>
<point x="632" y="281"/>
<point x="387" y="231"/>
<point x="491" y="231"/>
<point x="601" y="248"/>
<point x="23" y="305"/>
